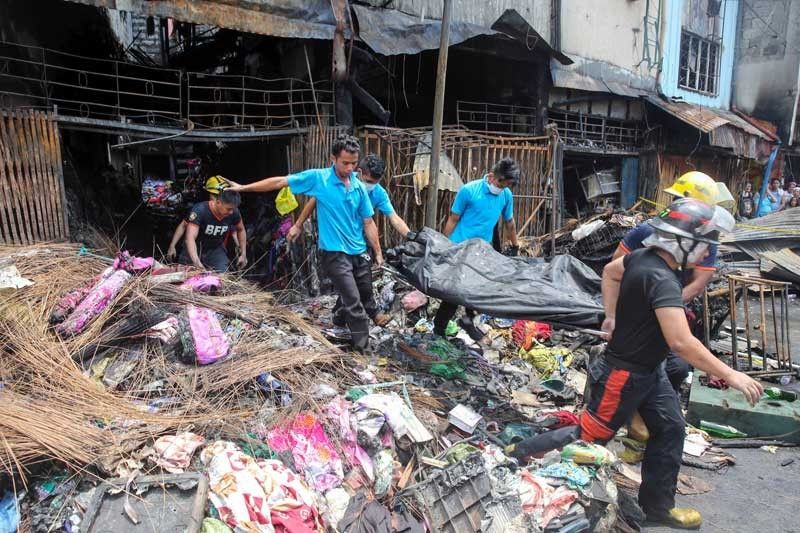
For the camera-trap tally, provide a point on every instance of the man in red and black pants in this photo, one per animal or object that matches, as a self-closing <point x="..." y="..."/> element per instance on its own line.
<point x="645" y="315"/>
<point x="644" y="310"/>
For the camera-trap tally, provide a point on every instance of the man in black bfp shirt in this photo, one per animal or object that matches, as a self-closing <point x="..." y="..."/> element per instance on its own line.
<point x="208" y="225"/>
<point x="642" y="297"/>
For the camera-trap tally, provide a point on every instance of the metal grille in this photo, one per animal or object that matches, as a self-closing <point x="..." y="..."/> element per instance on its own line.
<point x="217" y="101"/>
<point x="90" y="88"/>
<point x="699" y="64"/>
<point x="87" y="87"/>
<point x="484" y="116"/>
<point x="472" y="154"/>
<point x="596" y="132"/>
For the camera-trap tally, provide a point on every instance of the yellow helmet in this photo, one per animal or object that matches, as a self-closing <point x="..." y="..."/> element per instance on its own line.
<point x="695" y="185"/>
<point x="216" y="184"/>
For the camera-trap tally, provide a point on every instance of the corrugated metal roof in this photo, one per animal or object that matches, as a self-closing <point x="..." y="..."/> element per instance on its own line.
<point x="725" y="128"/>
<point x="783" y="264"/>
<point x="769" y="233"/>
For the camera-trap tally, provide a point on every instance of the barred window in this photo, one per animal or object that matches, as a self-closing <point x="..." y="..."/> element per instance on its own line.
<point x="699" y="67"/>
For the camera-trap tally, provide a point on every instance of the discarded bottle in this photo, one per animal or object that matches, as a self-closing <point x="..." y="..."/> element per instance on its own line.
<point x="774" y="393"/>
<point x="721" y="430"/>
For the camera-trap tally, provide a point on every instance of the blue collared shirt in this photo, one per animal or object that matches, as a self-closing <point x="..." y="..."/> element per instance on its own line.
<point x="380" y="200"/>
<point x="479" y="210"/>
<point x="340" y="211"/>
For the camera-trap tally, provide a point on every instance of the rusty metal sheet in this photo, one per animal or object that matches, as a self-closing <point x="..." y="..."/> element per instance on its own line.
<point x="725" y="129"/>
<point x="309" y="19"/>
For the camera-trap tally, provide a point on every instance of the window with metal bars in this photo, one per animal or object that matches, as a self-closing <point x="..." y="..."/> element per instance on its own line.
<point x="699" y="66"/>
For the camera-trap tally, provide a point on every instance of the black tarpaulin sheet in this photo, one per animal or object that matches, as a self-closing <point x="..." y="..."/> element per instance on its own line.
<point x="563" y="291"/>
<point x="390" y="32"/>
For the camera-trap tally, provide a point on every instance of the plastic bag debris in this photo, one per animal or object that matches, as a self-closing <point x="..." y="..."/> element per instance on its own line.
<point x="206" y="283"/>
<point x="174" y="453"/>
<point x="547" y="360"/>
<point x="584" y="453"/>
<point x="10" y="278"/>
<point x="414" y="300"/>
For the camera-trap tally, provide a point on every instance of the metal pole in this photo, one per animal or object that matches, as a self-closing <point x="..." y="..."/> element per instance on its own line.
<point x="438" y="113"/>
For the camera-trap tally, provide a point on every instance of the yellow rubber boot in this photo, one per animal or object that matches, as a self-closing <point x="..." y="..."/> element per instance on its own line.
<point x="633" y="452"/>
<point x="677" y="517"/>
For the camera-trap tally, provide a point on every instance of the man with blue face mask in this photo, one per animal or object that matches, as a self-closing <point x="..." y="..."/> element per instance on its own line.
<point x="477" y="207"/>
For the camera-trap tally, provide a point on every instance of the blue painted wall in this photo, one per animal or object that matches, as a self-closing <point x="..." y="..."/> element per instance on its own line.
<point x="672" y="49"/>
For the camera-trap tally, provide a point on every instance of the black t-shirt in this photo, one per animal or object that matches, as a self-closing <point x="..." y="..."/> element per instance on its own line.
<point x="212" y="230"/>
<point x="648" y="284"/>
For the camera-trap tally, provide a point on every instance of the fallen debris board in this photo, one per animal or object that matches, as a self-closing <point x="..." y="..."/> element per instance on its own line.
<point x="768" y="419"/>
<point x="169" y="503"/>
<point x="458" y="499"/>
<point x="689" y="485"/>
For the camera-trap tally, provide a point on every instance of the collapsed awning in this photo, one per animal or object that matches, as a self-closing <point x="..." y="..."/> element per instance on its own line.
<point x="391" y="32"/>
<point x="386" y="31"/>
<point x="597" y="76"/>
<point x="725" y="129"/>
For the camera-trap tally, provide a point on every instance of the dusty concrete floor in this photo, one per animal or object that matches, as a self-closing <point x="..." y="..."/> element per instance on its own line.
<point x="755" y="495"/>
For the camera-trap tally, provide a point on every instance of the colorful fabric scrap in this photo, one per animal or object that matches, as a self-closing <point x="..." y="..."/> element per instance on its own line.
<point x="258" y="496"/>
<point x="311" y="449"/>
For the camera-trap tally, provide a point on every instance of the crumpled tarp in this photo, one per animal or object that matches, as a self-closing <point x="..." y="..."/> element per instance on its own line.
<point x="473" y="274"/>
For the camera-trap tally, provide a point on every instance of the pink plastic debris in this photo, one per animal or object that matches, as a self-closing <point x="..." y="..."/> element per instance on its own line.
<point x="210" y="342"/>
<point x="94" y="303"/>
<point x="202" y="283"/>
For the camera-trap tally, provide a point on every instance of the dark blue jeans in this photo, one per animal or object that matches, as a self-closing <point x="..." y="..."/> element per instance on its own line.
<point x="215" y="259"/>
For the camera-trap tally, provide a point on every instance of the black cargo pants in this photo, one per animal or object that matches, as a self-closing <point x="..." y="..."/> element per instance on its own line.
<point x="351" y="276"/>
<point x="614" y="394"/>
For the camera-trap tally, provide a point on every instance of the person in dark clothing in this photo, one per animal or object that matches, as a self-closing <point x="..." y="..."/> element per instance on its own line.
<point x="344" y="219"/>
<point x="747" y="202"/>
<point x="208" y="226"/>
<point x="475" y="211"/>
<point x="644" y="310"/>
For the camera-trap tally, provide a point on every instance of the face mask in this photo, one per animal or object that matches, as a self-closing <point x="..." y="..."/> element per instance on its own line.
<point x="370" y="186"/>
<point x="494" y="189"/>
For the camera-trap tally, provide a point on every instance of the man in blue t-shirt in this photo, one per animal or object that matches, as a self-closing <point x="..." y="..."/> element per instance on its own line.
<point x="345" y="219"/>
<point x="370" y="170"/>
<point x="477" y="207"/>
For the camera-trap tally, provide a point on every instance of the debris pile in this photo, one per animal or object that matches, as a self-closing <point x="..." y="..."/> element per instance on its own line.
<point x="137" y="396"/>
